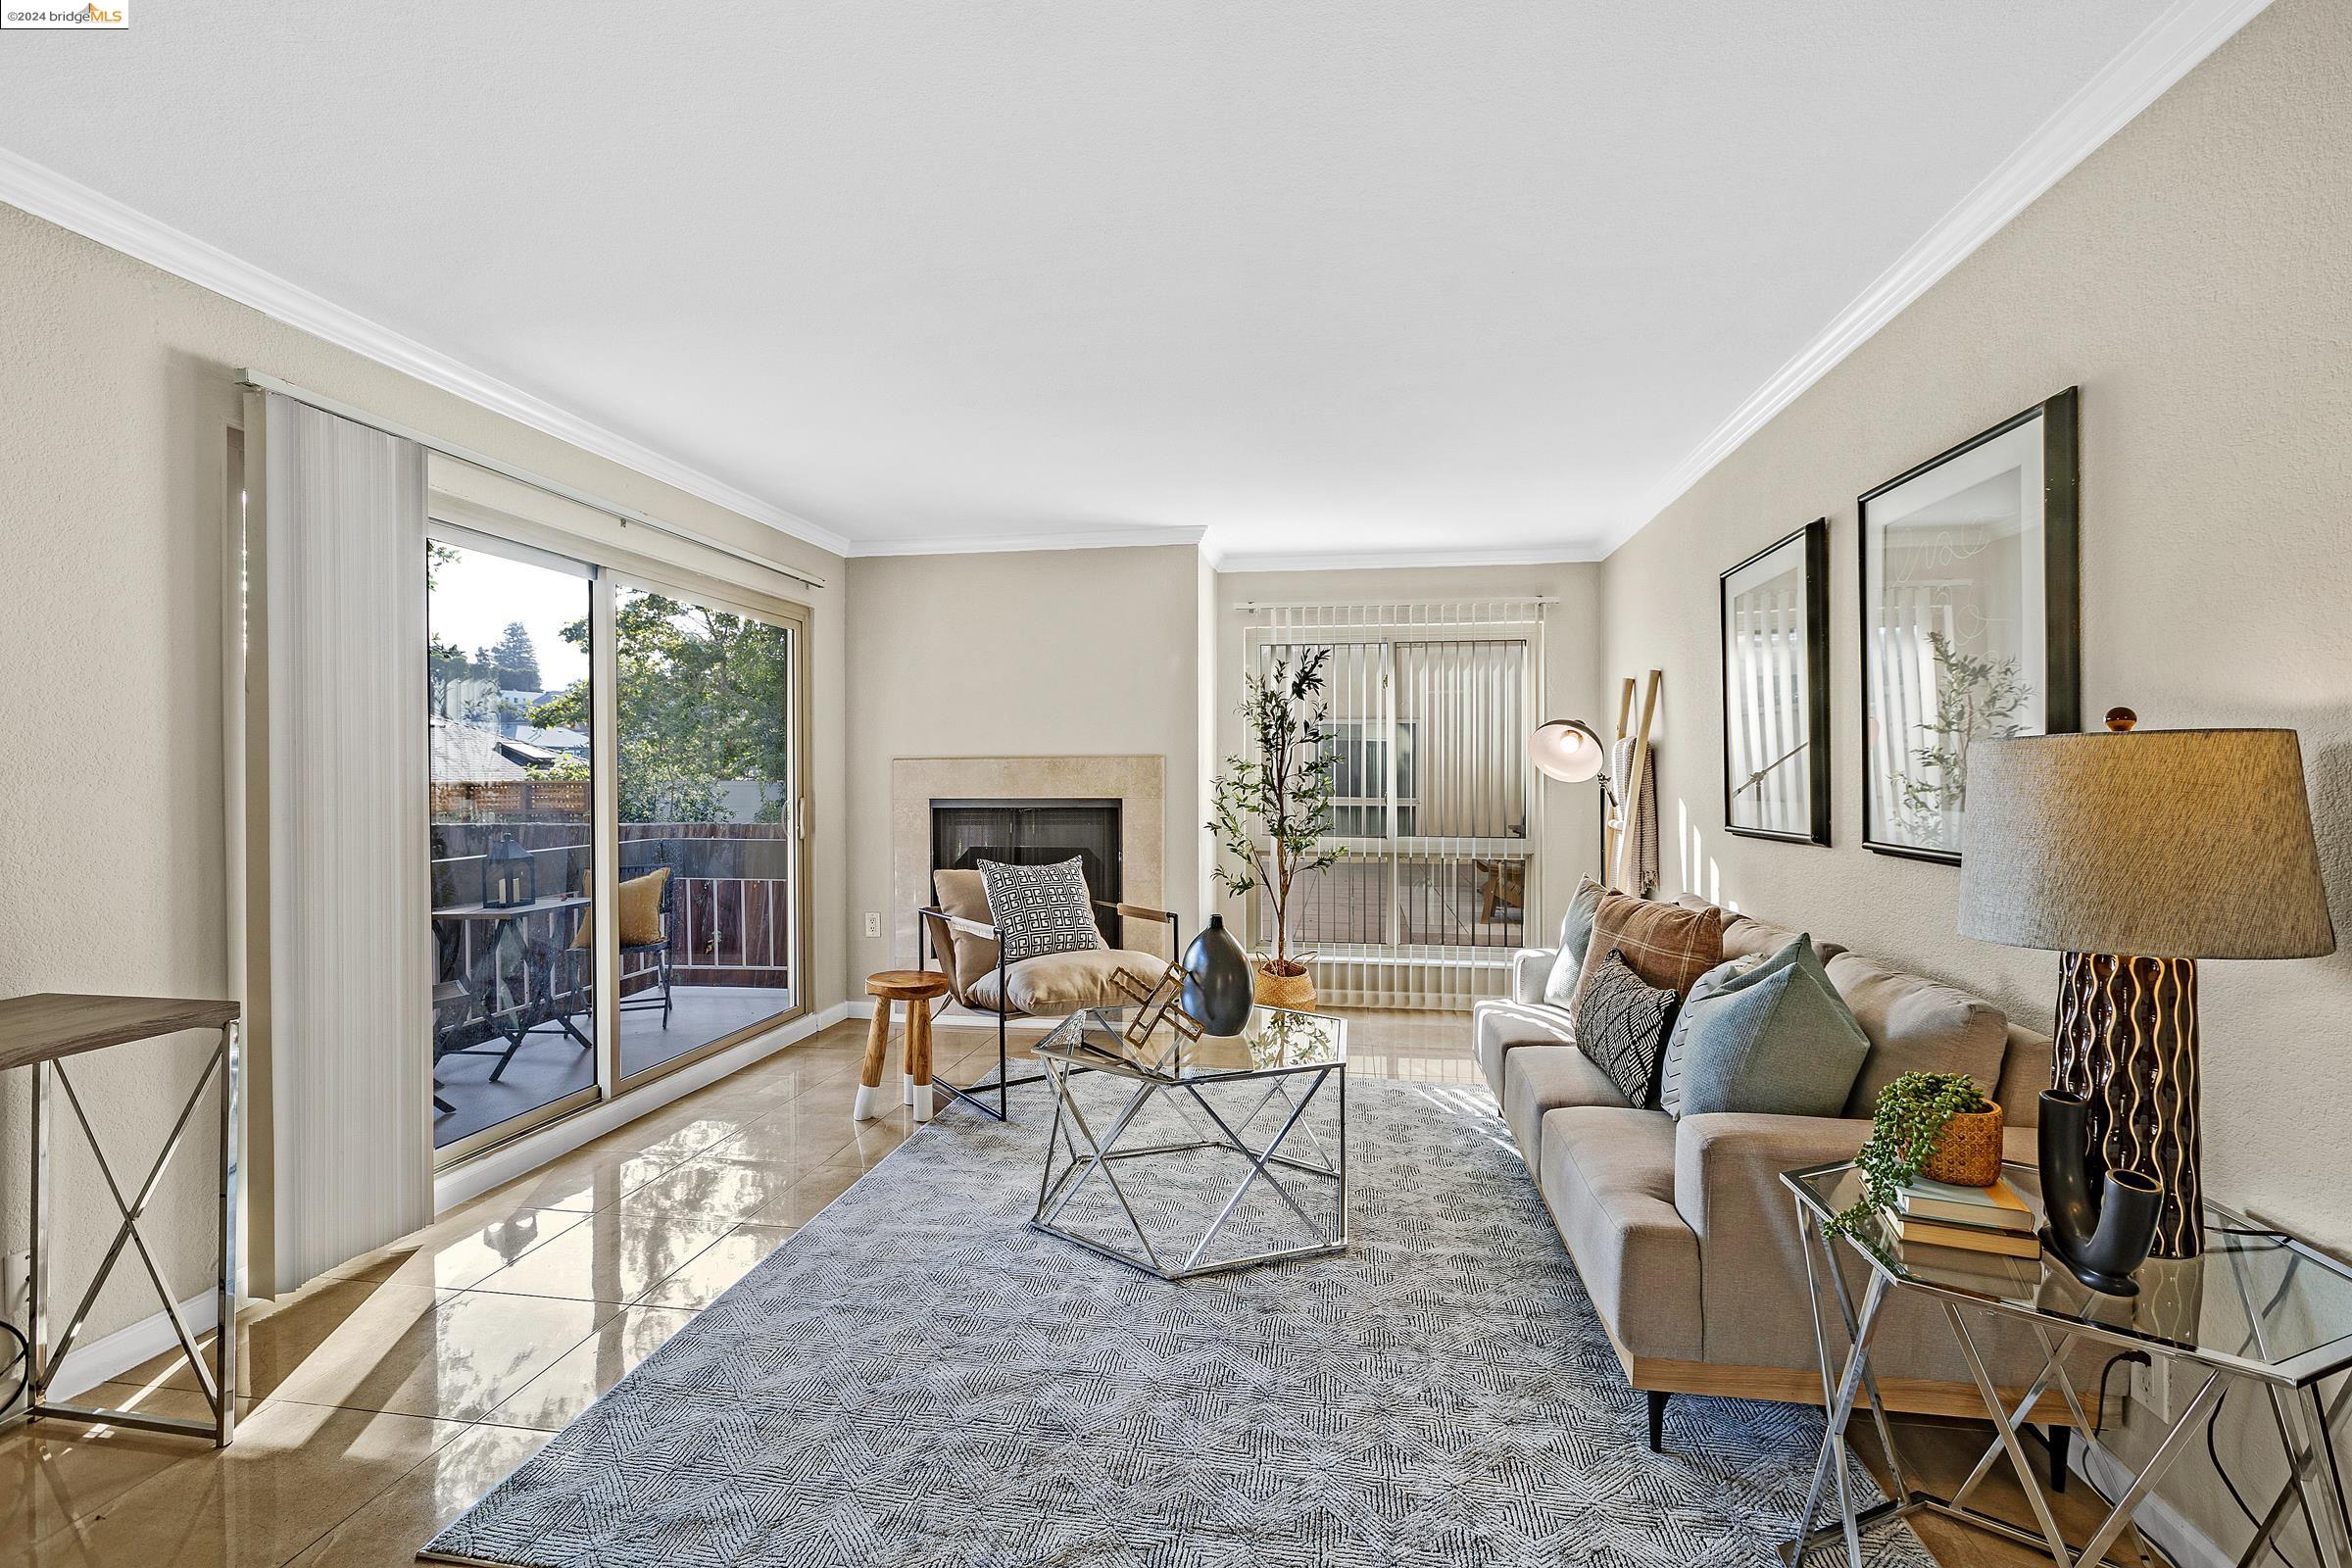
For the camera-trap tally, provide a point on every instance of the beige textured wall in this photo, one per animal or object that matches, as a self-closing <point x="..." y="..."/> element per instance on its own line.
<point x="1021" y="654"/>
<point x="2194" y="278"/>
<point x="114" y="413"/>
<point x="1575" y="680"/>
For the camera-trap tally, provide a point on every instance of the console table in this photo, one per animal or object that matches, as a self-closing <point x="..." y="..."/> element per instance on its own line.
<point x="41" y="1032"/>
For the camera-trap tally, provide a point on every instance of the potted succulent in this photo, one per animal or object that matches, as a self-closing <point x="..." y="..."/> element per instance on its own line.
<point x="1272" y="809"/>
<point x="1936" y="1125"/>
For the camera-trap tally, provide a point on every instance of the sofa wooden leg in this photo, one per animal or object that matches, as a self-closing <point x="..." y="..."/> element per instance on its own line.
<point x="2058" y="1439"/>
<point x="1658" y="1420"/>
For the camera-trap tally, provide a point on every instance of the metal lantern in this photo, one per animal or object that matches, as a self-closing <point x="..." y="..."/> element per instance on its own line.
<point x="510" y="877"/>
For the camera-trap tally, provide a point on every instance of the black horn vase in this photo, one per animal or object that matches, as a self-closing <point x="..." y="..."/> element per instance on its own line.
<point x="2100" y="1240"/>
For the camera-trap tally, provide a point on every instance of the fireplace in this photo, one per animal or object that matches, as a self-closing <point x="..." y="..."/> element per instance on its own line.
<point x="1035" y="832"/>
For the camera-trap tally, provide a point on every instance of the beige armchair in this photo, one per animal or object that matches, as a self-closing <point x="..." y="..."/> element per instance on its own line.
<point x="958" y="929"/>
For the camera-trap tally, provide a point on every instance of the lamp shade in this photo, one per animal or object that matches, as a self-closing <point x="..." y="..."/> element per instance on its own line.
<point x="2157" y="844"/>
<point x="1566" y="749"/>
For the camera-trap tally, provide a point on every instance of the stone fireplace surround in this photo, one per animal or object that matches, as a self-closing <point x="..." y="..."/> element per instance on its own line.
<point x="1138" y="783"/>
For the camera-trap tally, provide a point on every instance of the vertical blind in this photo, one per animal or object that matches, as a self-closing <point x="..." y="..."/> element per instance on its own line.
<point x="336" y="960"/>
<point x="1431" y="706"/>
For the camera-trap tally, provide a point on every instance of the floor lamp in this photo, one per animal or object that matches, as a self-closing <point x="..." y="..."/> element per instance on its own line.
<point x="2133" y="855"/>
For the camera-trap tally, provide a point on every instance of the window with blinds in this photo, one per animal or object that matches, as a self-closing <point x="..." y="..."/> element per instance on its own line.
<point x="1430" y="707"/>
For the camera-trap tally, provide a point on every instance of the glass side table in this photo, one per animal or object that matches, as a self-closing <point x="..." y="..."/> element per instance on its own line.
<point x="2257" y="1306"/>
<point x="1278" y="1068"/>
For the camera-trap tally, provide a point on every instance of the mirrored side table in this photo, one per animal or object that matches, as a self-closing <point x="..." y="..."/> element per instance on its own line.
<point x="2257" y="1307"/>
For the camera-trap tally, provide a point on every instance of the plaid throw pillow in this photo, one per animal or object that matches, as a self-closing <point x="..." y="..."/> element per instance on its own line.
<point x="1039" y="909"/>
<point x="1621" y="1026"/>
<point x="1665" y="944"/>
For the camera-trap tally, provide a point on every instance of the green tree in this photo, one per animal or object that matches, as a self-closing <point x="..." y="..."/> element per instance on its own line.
<point x="516" y="659"/>
<point x="1273" y="806"/>
<point x="702" y="701"/>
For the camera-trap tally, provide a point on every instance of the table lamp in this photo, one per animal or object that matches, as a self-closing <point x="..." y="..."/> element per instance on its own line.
<point x="2133" y="855"/>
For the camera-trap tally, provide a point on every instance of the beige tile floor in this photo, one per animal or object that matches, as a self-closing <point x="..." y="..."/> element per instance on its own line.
<point x="382" y="1400"/>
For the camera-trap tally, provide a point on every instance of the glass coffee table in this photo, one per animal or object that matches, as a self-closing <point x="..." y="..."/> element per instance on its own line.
<point x="1245" y="1130"/>
<point x="2256" y="1307"/>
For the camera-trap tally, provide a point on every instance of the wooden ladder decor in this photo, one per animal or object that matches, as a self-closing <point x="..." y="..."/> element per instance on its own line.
<point x="1616" y="818"/>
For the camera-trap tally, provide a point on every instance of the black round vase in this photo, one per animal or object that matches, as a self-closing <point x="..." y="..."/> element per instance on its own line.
<point x="1216" y="980"/>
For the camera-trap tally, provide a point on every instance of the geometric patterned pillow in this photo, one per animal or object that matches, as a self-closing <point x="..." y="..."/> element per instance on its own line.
<point x="1039" y="909"/>
<point x="1621" y="1025"/>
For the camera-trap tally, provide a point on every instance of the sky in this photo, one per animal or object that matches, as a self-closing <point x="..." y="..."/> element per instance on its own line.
<point x="474" y="596"/>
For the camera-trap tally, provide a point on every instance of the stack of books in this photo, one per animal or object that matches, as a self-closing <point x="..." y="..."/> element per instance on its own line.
<point x="1955" y="1228"/>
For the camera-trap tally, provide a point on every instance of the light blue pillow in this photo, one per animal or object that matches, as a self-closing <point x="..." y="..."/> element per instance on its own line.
<point x="1576" y="935"/>
<point x="1670" y="1070"/>
<point x="1776" y="1040"/>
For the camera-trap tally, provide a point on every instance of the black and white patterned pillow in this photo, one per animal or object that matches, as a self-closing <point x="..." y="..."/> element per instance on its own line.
<point x="1621" y="1026"/>
<point x="1039" y="909"/>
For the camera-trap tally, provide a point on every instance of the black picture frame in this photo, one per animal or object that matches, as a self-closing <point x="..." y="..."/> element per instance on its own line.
<point x="2055" y="676"/>
<point x="1809" y="551"/>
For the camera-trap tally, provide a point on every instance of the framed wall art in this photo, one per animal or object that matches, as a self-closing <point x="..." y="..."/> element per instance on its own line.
<point x="1971" y="623"/>
<point x="1773" y="610"/>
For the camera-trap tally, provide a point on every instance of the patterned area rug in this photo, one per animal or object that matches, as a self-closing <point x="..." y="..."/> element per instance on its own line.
<point x="917" y="1378"/>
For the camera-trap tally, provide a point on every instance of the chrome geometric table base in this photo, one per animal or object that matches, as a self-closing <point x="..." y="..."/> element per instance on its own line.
<point x="218" y="1381"/>
<point x="2303" y="1423"/>
<point x="1090" y="1156"/>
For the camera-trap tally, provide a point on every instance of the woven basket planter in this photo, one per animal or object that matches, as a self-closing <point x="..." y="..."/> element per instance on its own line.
<point x="1296" y="992"/>
<point x="1969" y="1154"/>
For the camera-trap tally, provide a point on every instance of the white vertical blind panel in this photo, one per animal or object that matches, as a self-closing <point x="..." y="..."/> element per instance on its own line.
<point x="1431" y="706"/>
<point x="343" y="510"/>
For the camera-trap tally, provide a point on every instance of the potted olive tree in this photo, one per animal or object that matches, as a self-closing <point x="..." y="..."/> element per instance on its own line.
<point x="1273" y="810"/>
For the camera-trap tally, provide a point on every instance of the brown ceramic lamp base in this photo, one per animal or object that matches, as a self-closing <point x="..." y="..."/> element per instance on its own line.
<point x="2126" y="1043"/>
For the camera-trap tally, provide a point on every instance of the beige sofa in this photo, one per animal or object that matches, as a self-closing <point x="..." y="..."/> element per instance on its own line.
<point x="1682" y="1230"/>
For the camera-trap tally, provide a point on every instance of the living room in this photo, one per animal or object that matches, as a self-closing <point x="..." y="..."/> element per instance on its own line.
<point x="802" y="755"/>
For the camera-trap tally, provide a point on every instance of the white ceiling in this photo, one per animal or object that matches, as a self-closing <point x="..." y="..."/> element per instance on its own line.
<point x="1445" y="279"/>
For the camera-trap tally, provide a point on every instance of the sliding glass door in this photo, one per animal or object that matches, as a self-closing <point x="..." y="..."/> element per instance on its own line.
<point x="512" y="842"/>
<point x="615" y="787"/>
<point x="706" y="703"/>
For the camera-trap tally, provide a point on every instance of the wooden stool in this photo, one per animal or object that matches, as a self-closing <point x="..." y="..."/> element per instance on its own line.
<point x="917" y="989"/>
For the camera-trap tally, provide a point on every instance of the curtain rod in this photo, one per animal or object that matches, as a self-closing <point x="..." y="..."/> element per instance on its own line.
<point x="625" y="515"/>
<point x="1252" y="606"/>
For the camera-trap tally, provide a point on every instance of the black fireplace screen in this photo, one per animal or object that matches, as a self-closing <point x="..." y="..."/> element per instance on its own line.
<point x="964" y="833"/>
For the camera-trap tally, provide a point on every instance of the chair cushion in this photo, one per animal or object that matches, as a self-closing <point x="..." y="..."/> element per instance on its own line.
<point x="1497" y="1029"/>
<point x="1059" y="983"/>
<point x="1775" y="1041"/>
<point x="640" y="913"/>
<point x="1607" y="1175"/>
<point x="964" y="895"/>
<point x="1621" y="1024"/>
<point x="1539" y="1080"/>
<point x="1664" y="944"/>
<point x="1038" y="909"/>
<point x="1916" y="1025"/>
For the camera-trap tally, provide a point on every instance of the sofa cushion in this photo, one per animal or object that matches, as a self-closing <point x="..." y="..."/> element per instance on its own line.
<point x="1745" y="934"/>
<point x="1064" y="982"/>
<point x="1607" y="1175"/>
<point x="1777" y="1040"/>
<point x="1916" y="1025"/>
<point x="1621" y="1023"/>
<point x="964" y="894"/>
<point x="1576" y="936"/>
<point x="1664" y="944"/>
<point x="1497" y="1029"/>
<point x="2025" y="1074"/>
<point x="1539" y="1080"/>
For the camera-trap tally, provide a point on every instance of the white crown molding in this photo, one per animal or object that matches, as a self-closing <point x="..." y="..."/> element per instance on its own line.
<point x="1379" y="559"/>
<point x="2171" y="47"/>
<point x="1001" y="544"/>
<point x="53" y="198"/>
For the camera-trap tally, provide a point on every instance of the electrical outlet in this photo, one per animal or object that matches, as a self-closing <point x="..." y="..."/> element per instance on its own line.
<point x="873" y="924"/>
<point x="2151" y="1388"/>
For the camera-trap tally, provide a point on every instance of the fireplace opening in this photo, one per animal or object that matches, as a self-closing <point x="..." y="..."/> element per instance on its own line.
<point x="964" y="833"/>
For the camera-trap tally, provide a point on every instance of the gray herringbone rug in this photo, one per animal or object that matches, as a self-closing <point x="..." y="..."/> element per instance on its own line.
<point x="917" y="1378"/>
